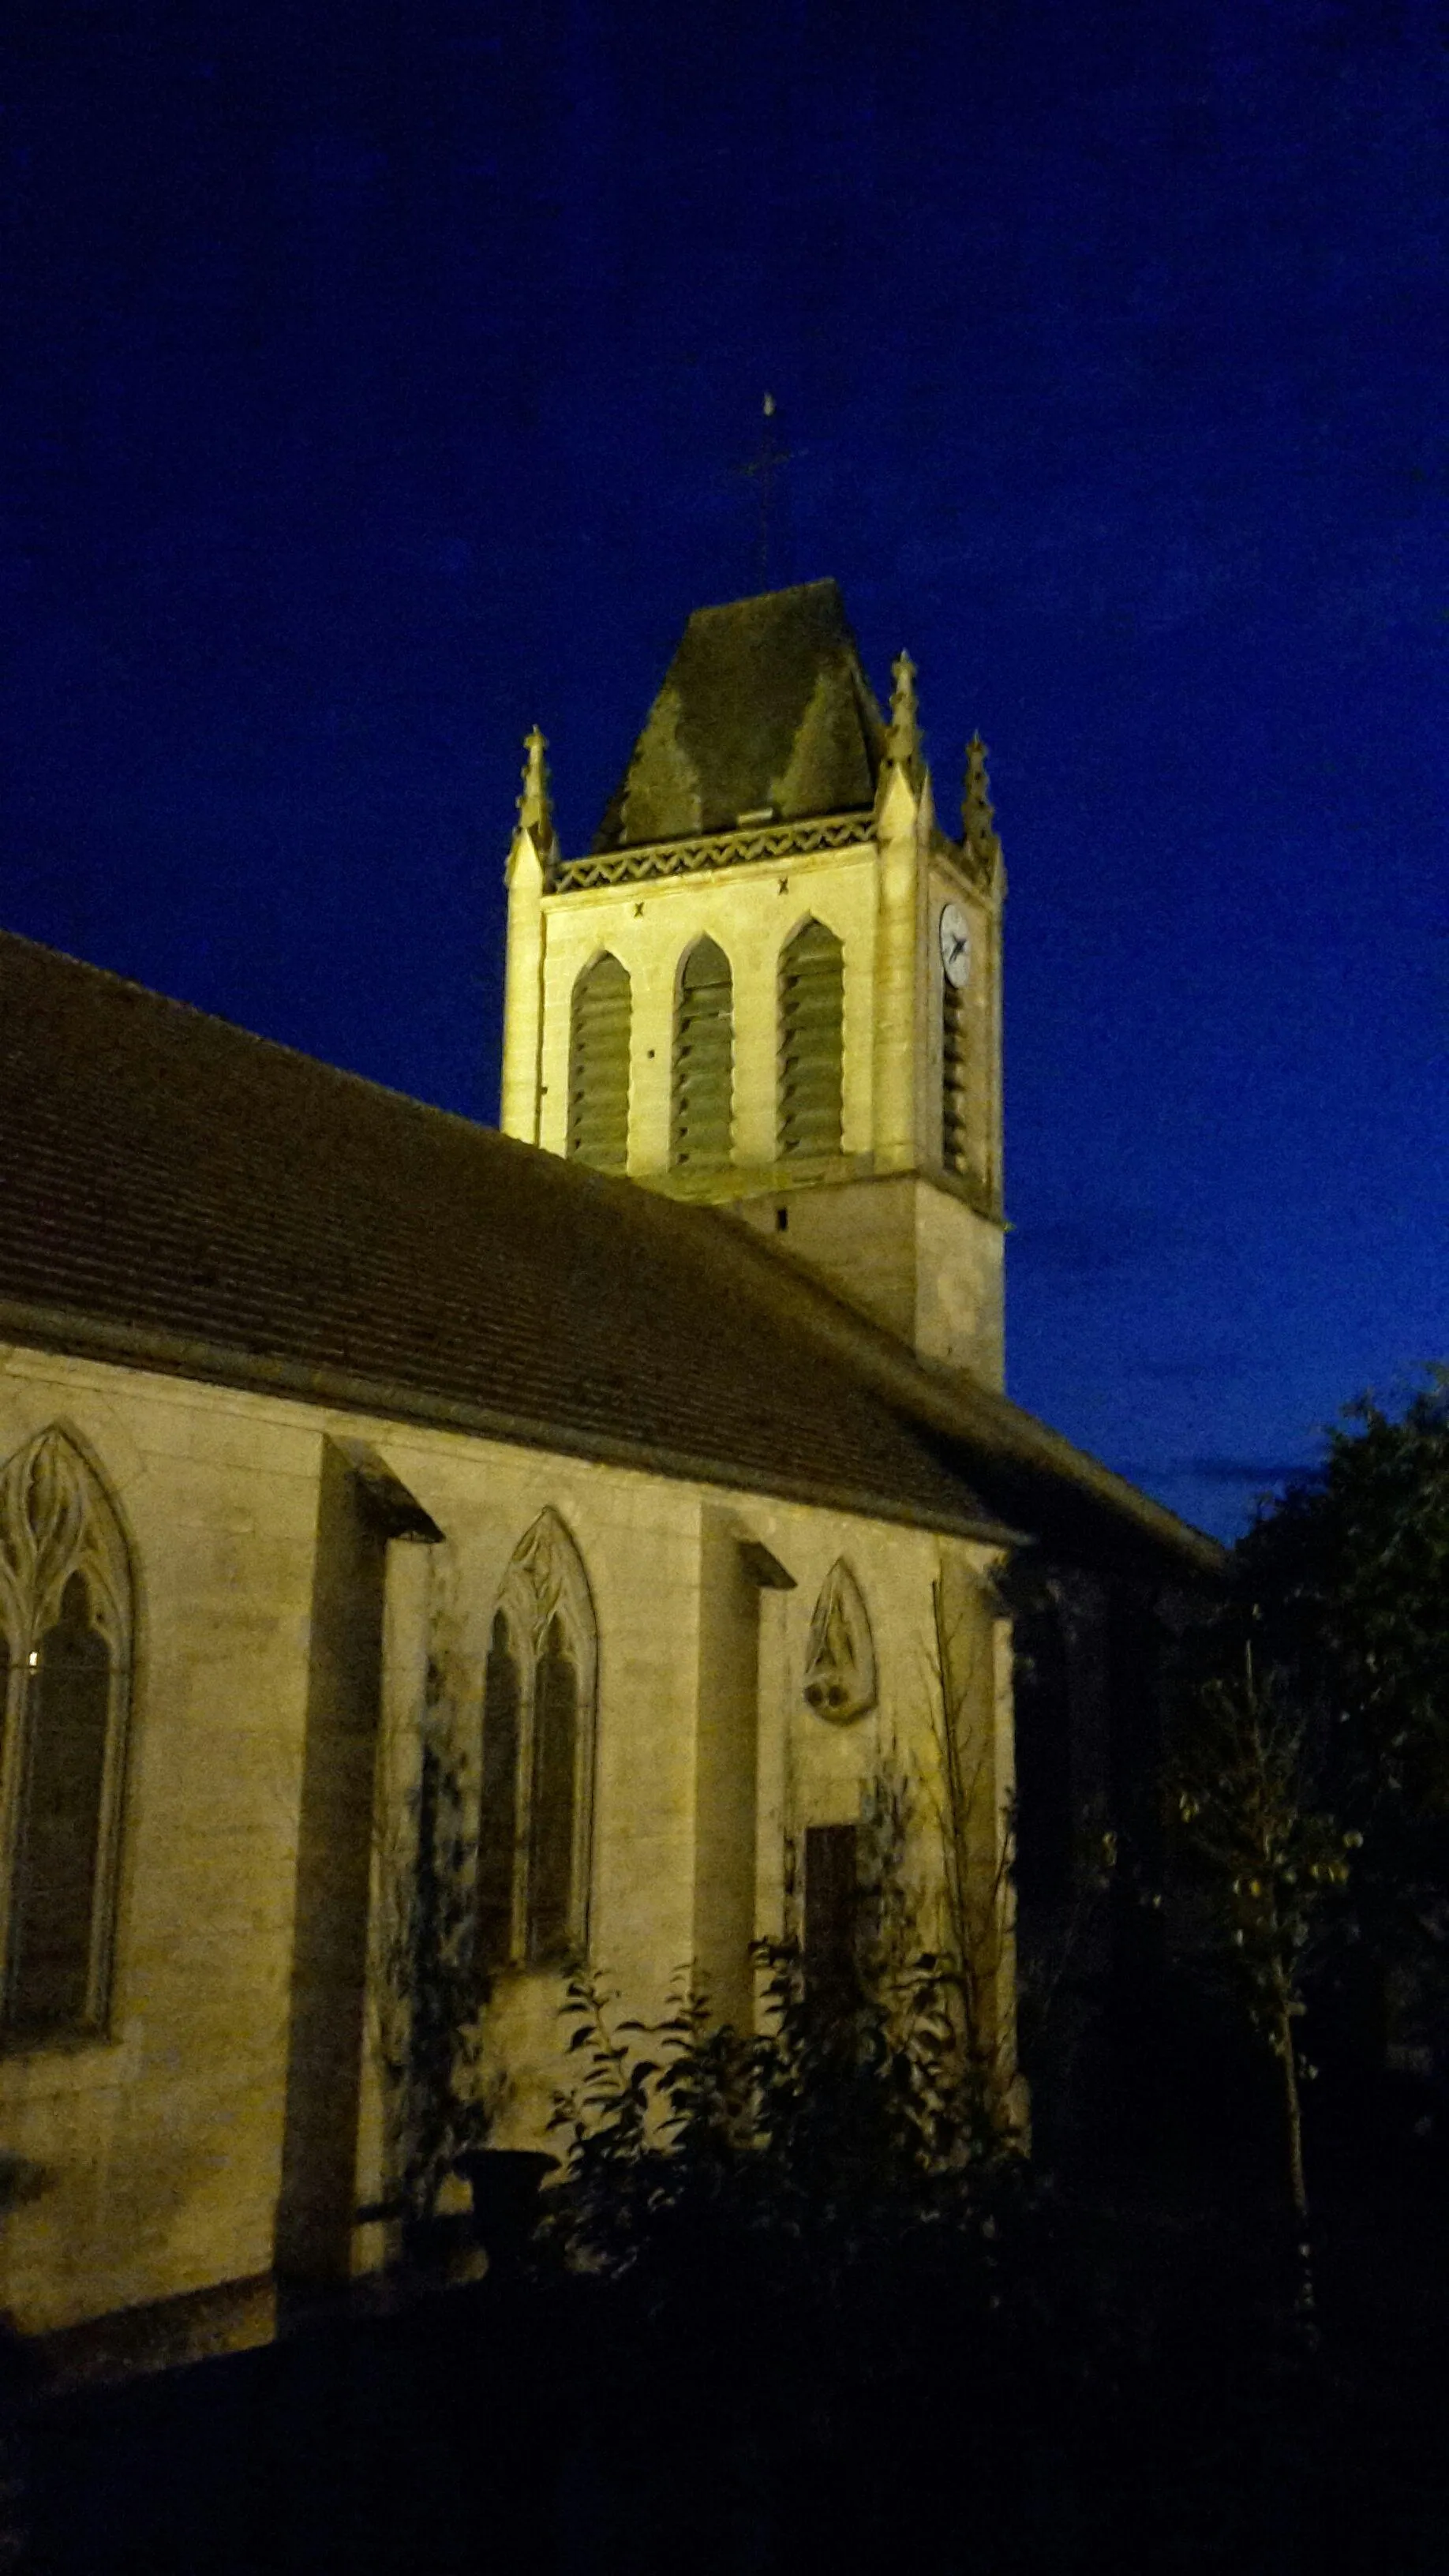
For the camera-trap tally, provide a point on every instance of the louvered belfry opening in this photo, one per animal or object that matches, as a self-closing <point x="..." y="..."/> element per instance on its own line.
<point x="599" y="1067"/>
<point x="955" y="1141"/>
<point x="812" y="1024"/>
<point x="703" y="1060"/>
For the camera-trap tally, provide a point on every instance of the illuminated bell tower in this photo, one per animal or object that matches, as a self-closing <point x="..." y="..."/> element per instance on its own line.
<point x="774" y="982"/>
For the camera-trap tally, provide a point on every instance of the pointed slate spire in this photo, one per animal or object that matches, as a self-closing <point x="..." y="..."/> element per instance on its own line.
<point x="978" y="824"/>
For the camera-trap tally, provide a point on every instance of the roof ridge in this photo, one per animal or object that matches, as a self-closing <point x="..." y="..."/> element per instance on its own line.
<point x="171" y="1003"/>
<point x="959" y="1436"/>
<point x="950" y="1397"/>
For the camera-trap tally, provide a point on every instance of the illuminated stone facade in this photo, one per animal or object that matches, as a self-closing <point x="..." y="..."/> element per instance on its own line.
<point x="175" y="2144"/>
<point x="378" y="1430"/>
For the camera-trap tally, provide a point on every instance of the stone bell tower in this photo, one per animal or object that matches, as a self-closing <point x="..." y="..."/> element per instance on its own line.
<point x="775" y="981"/>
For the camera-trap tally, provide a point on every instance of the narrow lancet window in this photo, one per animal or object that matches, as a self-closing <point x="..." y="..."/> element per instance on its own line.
<point x="551" y="1836"/>
<point x="598" y="1129"/>
<point x="703" y="1060"/>
<point x="498" y="1798"/>
<point x="955" y="1139"/>
<point x="812" y="1021"/>
<point x="56" y="1853"/>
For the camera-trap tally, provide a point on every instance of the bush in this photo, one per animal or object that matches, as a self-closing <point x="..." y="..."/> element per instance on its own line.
<point x="808" y="2186"/>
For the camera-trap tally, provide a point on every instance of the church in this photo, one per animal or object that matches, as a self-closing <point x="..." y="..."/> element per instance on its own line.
<point x="651" y="1455"/>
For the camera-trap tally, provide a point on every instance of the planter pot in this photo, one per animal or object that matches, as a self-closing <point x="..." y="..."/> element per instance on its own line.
<point x="434" y="2245"/>
<point x="505" y="2183"/>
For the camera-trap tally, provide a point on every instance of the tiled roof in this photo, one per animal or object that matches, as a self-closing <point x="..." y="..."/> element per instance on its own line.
<point x="233" y="1208"/>
<point x="765" y="707"/>
<point x="180" y="1195"/>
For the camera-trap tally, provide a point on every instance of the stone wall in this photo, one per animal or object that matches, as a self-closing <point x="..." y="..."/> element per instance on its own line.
<point x="165" y="2145"/>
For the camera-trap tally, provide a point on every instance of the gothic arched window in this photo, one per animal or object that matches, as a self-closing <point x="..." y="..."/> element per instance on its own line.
<point x="535" y="1801"/>
<point x="65" y="1660"/>
<point x="598" y="1129"/>
<point x="812" y="1022"/>
<point x="703" y="1059"/>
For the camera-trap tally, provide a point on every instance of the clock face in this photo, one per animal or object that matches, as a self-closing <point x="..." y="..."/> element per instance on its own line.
<point x="956" y="946"/>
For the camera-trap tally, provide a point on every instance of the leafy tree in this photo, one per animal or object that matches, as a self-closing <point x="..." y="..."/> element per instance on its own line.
<point x="1269" y="1859"/>
<point x="1342" y="1588"/>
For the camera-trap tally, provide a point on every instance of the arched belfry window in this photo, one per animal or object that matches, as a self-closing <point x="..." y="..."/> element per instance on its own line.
<point x="812" y="1022"/>
<point x="65" y="1665"/>
<point x="536" y="1792"/>
<point x="704" y="1054"/>
<point x="598" y="1130"/>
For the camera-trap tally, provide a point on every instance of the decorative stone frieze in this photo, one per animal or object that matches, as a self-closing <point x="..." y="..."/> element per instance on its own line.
<point x="709" y="850"/>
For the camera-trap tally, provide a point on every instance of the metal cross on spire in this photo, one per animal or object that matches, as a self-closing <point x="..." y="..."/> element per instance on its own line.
<point x="763" y="469"/>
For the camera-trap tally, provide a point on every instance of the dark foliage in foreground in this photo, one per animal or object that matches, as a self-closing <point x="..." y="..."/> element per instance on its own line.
<point x="1340" y="1591"/>
<point x="828" y="2318"/>
<point x="850" y="2128"/>
<point x="1143" y="2407"/>
<point x="977" y="2372"/>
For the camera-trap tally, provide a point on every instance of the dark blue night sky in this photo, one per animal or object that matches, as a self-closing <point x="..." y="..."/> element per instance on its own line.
<point x="377" y="381"/>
